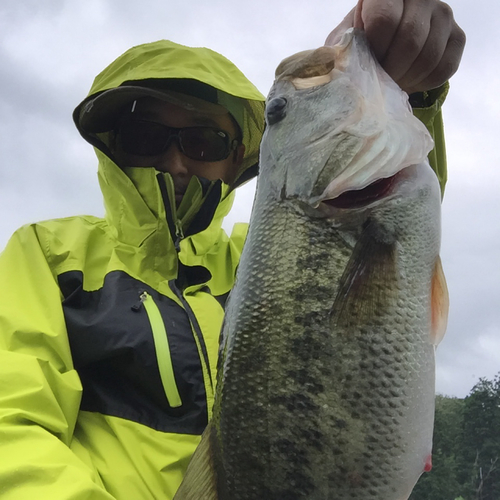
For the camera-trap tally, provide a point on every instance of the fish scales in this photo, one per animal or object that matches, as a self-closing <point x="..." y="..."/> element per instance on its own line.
<point x="291" y="376"/>
<point x="335" y="406"/>
<point x="325" y="384"/>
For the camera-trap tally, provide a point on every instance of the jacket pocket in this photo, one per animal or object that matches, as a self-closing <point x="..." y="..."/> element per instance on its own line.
<point x="162" y="350"/>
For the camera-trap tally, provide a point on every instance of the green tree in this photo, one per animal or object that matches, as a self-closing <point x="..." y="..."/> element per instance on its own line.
<point x="480" y="458"/>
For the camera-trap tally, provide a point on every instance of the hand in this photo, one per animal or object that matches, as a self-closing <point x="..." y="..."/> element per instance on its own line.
<point x="417" y="42"/>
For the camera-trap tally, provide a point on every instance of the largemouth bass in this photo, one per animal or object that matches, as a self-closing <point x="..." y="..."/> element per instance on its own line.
<point x="326" y="372"/>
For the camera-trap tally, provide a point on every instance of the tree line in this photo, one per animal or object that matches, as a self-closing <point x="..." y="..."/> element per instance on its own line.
<point x="466" y="449"/>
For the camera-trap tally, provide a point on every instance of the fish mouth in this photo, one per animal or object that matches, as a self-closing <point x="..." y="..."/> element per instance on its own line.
<point x="358" y="198"/>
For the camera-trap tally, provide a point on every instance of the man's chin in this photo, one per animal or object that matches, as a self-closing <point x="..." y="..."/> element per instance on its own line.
<point x="178" y="199"/>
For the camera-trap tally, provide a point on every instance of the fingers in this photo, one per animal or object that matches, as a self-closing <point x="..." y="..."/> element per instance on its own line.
<point x="417" y="42"/>
<point x="425" y="62"/>
<point x="436" y="73"/>
<point x="410" y="38"/>
<point x="381" y="19"/>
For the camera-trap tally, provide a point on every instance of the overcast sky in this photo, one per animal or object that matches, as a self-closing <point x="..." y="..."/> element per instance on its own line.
<point x="50" y="52"/>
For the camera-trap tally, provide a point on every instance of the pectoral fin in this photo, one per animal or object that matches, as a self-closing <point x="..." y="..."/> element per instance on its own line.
<point x="200" y="481"/>
<point x="440" y="304"/>
<point x="370" y="281"/>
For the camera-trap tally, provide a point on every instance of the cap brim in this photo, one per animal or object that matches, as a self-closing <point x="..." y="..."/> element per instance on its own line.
<point x="100" y="113"/>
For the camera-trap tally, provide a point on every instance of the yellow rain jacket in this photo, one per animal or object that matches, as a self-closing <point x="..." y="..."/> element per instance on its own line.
<point x="109" y="327"/>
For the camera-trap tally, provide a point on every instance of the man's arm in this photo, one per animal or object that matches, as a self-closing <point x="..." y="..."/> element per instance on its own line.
<point x="39" y="389"/>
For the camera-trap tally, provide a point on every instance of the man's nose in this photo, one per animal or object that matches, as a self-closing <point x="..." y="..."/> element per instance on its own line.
<point x="173" y="161"/>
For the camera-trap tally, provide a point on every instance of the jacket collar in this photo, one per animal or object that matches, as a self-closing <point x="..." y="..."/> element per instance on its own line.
<point x="140" y="221"/>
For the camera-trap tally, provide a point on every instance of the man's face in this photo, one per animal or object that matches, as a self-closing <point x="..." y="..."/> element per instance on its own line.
<point x="172" y="160"/>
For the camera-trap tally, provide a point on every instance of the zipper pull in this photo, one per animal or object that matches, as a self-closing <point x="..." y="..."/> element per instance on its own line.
<point x="179" y="235"/>
<point x="137" y="306"/>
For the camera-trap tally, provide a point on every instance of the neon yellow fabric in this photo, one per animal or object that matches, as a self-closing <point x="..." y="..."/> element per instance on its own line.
<point x="48" y="448"/>
<point x="431" y="116"/>
<point x="136" y="454"/>
<point x="166" y="59"/>
<point x="39" y="390"/>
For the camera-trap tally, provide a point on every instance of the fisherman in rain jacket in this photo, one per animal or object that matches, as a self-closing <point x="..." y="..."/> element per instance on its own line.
<point x="109" y="327"/>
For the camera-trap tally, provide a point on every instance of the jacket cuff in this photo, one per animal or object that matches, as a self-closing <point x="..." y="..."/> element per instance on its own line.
<point x="427" y="108"/>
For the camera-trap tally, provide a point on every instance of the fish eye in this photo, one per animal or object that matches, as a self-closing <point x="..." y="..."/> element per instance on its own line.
<point x="276" y="110"/>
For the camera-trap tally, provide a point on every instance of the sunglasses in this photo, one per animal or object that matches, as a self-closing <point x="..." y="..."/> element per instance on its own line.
<point x="147" y="138"/>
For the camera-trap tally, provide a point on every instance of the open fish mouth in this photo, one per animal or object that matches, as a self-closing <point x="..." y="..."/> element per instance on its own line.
<point x="358" y="198"/>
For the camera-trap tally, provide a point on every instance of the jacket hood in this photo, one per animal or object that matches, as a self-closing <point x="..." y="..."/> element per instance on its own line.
<point x="168" y="66"/>
<point x="140" y="202"/>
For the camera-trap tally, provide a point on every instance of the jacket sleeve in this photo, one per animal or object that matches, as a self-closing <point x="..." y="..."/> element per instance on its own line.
<point x="427" y="108"/>
<point x="39" y="389"/>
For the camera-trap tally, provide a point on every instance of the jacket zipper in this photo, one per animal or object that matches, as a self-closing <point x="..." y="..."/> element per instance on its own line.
<point x="177" y="234"/>
<point x="162" y="350"/>
<point x="195" y="325"/>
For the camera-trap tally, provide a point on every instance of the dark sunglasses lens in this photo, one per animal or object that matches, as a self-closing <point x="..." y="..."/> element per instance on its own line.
<point x="143" y="138"/>
<point x="204" y="144"/>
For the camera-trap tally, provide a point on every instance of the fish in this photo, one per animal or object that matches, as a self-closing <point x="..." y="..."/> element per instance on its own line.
<point x="326" y="374"/>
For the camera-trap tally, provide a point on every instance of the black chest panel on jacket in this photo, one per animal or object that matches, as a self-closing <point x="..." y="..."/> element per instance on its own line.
<point x="114" y="353"/>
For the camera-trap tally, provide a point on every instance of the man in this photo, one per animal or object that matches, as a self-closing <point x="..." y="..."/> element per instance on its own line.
<point x="109" y="327"/>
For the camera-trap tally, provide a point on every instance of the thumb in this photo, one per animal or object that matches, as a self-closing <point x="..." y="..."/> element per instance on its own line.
<point x="358" y="20"/>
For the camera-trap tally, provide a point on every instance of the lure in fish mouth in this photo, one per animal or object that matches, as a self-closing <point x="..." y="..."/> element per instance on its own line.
<point x="325" y="380"/>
